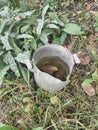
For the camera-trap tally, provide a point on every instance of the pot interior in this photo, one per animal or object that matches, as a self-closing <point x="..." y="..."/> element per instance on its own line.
<point x="54" y="60"/>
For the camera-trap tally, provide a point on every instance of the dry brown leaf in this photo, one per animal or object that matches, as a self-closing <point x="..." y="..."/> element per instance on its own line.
<point x="54" y="100"/>
<point x="49" y="69"/>
<point x="84" y="59"/>
<point x="91" y="44"/>
<point x="89" y="90"/>
<point x="87" y="5"/>
<point x="96" y="34"/>
<point x="92" y="40"/>
<point x="74" y="13"/>
<point x="17" y="18"/>
<point x="63" y="4"/>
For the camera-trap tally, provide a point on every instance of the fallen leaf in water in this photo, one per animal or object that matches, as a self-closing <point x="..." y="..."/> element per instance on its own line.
<point x="89" y="90"/>
<point x="49" y="69"/>
<point x="17" y="18"/>
<point x="84" y="59"/>
<point x="54" y="100"/>
<point x="59" y="74"/>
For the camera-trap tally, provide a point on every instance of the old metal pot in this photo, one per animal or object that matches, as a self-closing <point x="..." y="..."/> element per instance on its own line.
<point x="44" y="80"/>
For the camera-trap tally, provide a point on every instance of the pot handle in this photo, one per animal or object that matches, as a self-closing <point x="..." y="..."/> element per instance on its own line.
<point x="76" y="58"/>
<point x="29" y="65"/>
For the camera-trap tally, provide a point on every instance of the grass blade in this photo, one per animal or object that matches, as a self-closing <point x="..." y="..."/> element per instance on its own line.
<point x="54" y="125"/>
<point x="46" y="114"/>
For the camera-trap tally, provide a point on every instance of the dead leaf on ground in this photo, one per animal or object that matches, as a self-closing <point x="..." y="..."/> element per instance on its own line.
<point x="74" y="14"/>
<point x="54" y="100"/>
<point x="17" y="18"/>
<point x="84" y="59"/>
<point x="88" y="5"/>
<point x="92" y="40"/>
<point x="91" y="45"/>
<point x="89" y="90"/>
<point x="96" y="34"/>
<point x="49" y="69"/>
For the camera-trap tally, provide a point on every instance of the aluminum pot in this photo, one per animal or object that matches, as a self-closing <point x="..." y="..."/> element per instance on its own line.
<point x="45" y="80"/>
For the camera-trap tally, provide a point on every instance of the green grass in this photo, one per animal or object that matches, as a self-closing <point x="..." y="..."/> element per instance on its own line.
<point x="28" y="107"/>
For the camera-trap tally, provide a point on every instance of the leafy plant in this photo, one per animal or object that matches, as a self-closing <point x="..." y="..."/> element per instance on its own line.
<point x="72" y="28"/>
<point x="95" y="56"/>
<point x="6" y="127"/>
<point x="14" y="3"/>
<point x="9" y="41"/>
<point x="22" y="33"/>
<point x="90" y="80"/>
<point x="96" y="24"/>
<point x="87" y="84"/>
